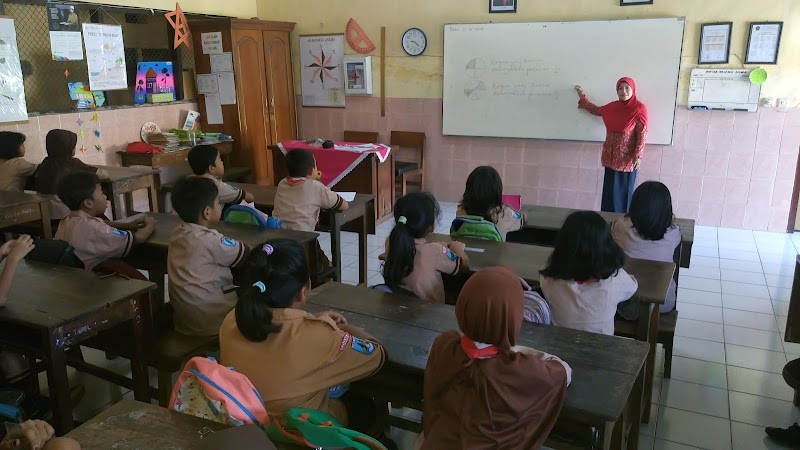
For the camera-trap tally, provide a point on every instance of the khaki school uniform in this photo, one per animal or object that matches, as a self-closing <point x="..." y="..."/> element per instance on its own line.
<point x="635" y="246"/>
<point x="506" y="219"/>
<point x="228" y="195"/>
<point x="431" y="260"/>
<point x="198" y="266"/>
<point x="298" y="201"/>
<point x="93" y="239"/>
<point x="588" y="306"/>
<point x="295" y="367"/>
<point x="14" y="173"/>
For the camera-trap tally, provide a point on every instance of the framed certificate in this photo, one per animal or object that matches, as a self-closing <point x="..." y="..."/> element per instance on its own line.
<point x="715" y="43"/>
<point x="763" y="43"/>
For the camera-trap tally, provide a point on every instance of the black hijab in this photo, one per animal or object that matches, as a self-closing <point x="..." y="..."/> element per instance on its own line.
<point x="60" y="145"/>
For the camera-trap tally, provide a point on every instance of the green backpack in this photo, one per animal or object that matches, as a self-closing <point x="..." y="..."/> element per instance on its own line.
<point x="317" y="429"/>
<point x="475" y="227"/>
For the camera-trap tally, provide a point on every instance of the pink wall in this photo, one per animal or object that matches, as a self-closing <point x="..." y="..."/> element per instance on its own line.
<point x="724" y="169"/>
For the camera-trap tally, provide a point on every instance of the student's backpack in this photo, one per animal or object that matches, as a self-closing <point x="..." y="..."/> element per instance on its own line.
<point x="56" y="252"/>
<point x="247" y="215"/>
<point x="214" y="392"/>
<point x="475" y="227"/>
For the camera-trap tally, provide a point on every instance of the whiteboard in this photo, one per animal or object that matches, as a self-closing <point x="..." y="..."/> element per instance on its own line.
<point x="517" y="79"/>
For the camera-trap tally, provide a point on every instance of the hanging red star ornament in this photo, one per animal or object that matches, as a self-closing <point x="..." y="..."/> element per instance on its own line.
<point x="178" y="21"/>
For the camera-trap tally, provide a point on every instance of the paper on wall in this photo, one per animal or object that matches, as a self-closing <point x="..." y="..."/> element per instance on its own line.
<point x="222" y="62"/>
<point x="207" y="84"/>
<point x="66" y="43"/>
<point x="212" y="43"/>
<point x="227" y="88"/>
<point x="213" y="109"/>
<point x="347" y="196"/>
<point x="12" y="90"/>
<point x="105" y="57"/>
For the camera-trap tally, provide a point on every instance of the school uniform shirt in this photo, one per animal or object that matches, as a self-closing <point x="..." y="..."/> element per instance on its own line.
<point x="198" y="266"/>
<point x="93" y="239"/>
<point x="635" y="246"/>
<point x="294" y="367"/>
<point x="430" y="262"/>
<point x="506" y="219"/>
<point x="228" y="195"/>
<point x="14" y="173"/>
<point x="298" y="201"/>
<point x="588" y="306"/>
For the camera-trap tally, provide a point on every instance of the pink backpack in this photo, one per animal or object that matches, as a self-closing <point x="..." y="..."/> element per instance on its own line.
<point x="209" y="390"/>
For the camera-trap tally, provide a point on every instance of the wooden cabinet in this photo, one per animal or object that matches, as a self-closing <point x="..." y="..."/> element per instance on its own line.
<point x="265" y="113"/>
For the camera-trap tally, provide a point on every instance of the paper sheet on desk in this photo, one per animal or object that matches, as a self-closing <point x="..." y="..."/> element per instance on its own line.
<point x="347" y="196"/>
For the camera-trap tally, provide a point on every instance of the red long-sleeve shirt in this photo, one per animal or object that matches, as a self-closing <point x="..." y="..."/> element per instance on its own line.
<point x="621" y="151"/>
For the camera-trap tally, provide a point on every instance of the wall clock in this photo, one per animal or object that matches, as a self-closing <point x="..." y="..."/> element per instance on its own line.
<point x="414" y="41"/>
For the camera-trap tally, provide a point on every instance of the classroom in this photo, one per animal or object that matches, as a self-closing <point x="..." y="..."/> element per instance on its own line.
<point x="448" y="224"/>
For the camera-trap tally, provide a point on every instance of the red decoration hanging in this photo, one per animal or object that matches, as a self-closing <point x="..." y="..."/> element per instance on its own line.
<point x="178" y="21"/>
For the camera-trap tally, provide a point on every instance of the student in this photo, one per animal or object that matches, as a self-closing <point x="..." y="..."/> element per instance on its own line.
<point x="200" y="260"/>
<point x="206" y="162"/>
<point x="648" y="231"/>
<point x="293" y="357"/>
<point x="60" y="161"/>
<point x="584" y="280"/>
<point x="37" y="435"/>
<point x="14" y="168"/>
<point x="94" y="239"/>
<point x="411" y="262"/>
<point x="483" y="197"/>
<point x="481" y="391"/>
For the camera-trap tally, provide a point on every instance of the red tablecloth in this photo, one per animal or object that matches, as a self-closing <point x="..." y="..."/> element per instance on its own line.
<point x="335" y="163"/>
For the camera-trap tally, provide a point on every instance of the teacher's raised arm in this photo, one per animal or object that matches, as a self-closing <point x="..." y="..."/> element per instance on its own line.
<point x="626" y="135"/>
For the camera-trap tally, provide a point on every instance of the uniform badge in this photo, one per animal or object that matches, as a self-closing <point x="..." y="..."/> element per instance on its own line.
<point x="233" y="187"/>
<point x="450" y="255"/>
<point x="517" y="215"/>
<point x="229" y="242"/>
<point x="343" y="345"/>
<point x="119" y="232"/>
<point x="363" y="346"/>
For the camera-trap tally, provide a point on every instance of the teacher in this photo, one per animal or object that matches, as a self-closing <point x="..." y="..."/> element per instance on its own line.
<point x="626" y="134"/>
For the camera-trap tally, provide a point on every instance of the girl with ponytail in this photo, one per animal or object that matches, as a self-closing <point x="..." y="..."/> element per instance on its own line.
<point x="413" y="264"/>
<point x="293" y="357"/>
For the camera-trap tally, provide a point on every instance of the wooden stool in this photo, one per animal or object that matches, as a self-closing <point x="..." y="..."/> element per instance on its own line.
<point x="791" y="375"/>
<point x="172" y="352"/>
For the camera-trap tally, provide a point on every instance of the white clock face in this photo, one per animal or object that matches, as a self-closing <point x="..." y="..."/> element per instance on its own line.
<point x="414" y="42"/>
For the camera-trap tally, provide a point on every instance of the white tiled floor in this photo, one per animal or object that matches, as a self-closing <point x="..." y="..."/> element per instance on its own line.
<point x="729" y="351"/>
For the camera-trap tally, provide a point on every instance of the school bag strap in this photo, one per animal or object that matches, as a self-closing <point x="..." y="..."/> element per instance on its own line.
<point x="475" y="227"/>
<point x="320" y="430"/>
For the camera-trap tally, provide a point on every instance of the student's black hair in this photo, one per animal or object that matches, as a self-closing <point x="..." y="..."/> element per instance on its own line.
<point x="201" y="157"/>
<point x="76" y="187"/>
<point x="584" y="249"/>
<point x="483" y="195"/>
<point x="191" y="196"/>
<point x="421" y="211"/>
<point x="651" y="210"/>
<point x="10" y="141"/>
<point x="299" y="162"/>
<point x="283" y="270"/>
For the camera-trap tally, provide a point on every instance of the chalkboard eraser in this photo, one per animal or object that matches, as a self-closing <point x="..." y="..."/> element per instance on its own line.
<point x="740" y="109"/>
<point x="718" y="109"/>
<point x="699" y="107"/>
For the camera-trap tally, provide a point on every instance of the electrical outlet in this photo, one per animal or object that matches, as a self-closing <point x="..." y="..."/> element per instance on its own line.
<point x="767" y="101"/>
<point x="783" y="103"/>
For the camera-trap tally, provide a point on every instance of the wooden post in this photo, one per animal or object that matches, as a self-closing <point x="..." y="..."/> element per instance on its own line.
<point x="383" y="71"/>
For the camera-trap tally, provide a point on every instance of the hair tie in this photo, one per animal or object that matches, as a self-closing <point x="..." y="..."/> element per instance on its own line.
<point x="402" y="219"/>
<point x="261" y="286"/>
<point x="267" y="249"/>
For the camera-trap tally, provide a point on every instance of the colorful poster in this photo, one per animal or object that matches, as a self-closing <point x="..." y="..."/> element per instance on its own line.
<point x="153" y="78"/>
<point x="12" y="90"/>
<point x="322" y="70"/>
<point x="65" y="32"/>
<point x="105" y="57"/>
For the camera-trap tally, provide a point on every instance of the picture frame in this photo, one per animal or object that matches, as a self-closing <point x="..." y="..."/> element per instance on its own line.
<point x="763" y="43"/>
<point x="715" y="43"/>
<point x="635" y="2"/>
<point x="502" y="6"/>
<point x="358" y="71"/>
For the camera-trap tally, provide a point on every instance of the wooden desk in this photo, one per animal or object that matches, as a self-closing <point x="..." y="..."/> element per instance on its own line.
<point x="52" y="308"/>
<point x="370" y="177"/>
<point x="543" y="223"/>
<point x="653" y="278"/>
<point x="361" y="208"/>
<point x="17" y="208"/>
<point x="124" y="181"/>
<point x="170" y="157"/>
<point x="608" y="371"/>
<point x="152" y="254"/>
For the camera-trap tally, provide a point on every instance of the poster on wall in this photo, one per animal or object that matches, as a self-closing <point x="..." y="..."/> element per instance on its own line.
<point x="65" y="32"/>
<point x="155" y="83"/>
<point x="12" y="90"/>
<point x="322" y="70"/>
<point x="105" y="57"/>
